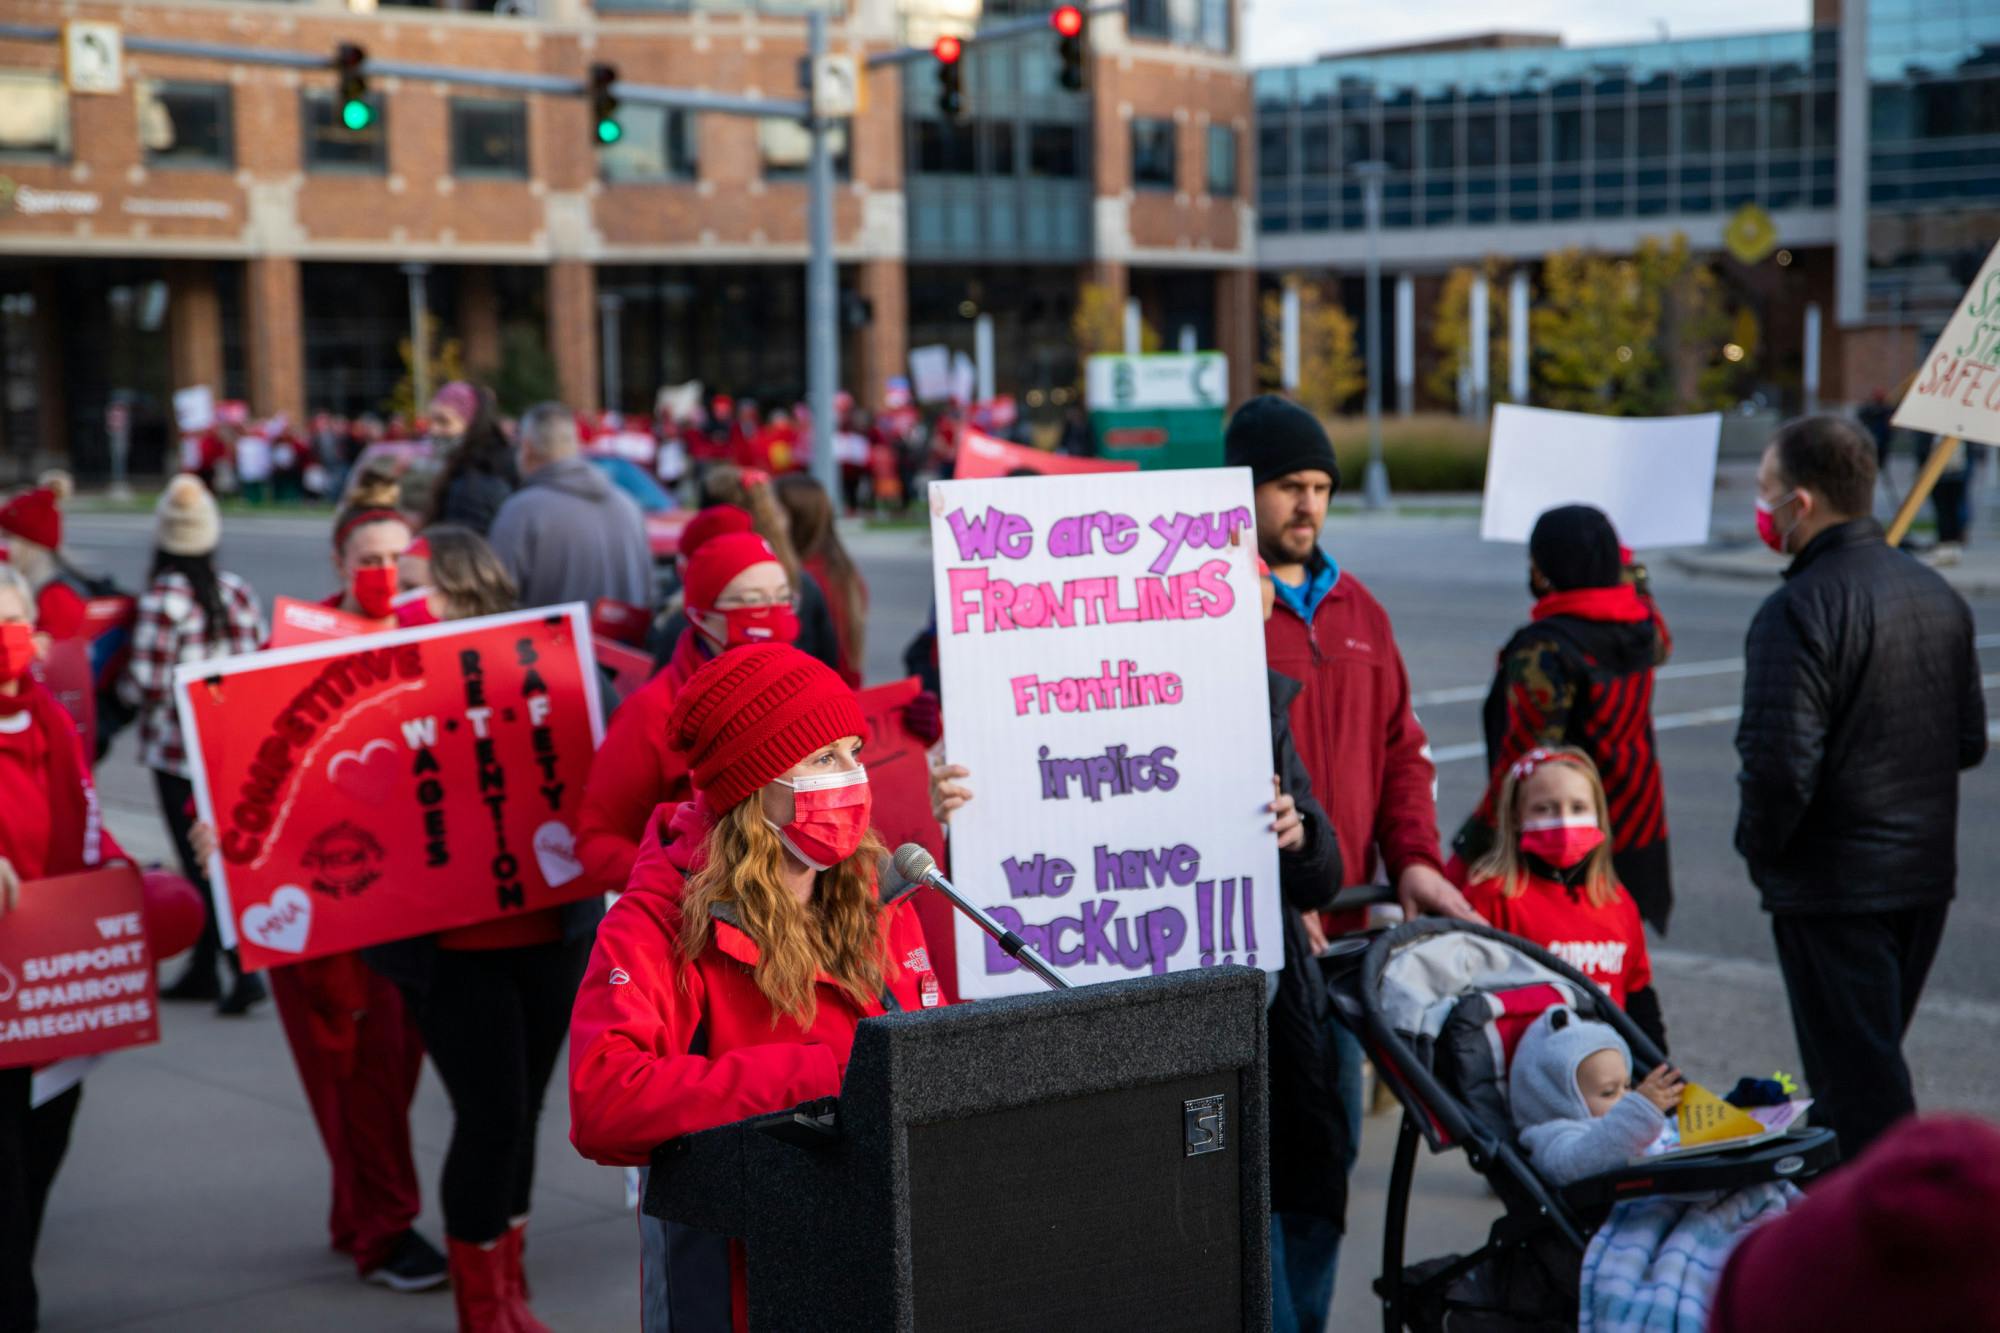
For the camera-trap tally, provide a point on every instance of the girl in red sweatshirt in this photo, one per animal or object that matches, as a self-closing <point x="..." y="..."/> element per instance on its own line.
<point x="729" y="979"/>
<point x="1549" y="879"/>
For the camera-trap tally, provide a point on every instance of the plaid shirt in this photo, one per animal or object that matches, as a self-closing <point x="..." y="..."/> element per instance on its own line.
<point x="171" y="629"/>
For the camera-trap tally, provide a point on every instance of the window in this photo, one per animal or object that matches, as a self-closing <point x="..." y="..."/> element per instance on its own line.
<point x="1316" y="150"/>
<point x="1274" y="152"/>
<point x="1566" y="136"/>
<point x="1222" y="161"/>
<point x="1524" y="138"/>
<point x="999" y="136"/>
<point x="1697" y="128"/>
<point x="941" y="148"/>
<point x="186" y="125"/>
<point x="785" y="146"/>
<point x="331" y="146"/>
<point x="1481" y="137"/>
<point x="34" y="116"/>
<point x="1440" y="142"/>
<point x="1203" y="23"/>
<point x="1608" y="134"/>
<point x="1052" y="151"/>
<point x="1152" y="153"/>
<point x="658" y="145"/>
<point x="489" y="138"/>
<point x="1397" y="148"/>
<point x="1739" y="125"/>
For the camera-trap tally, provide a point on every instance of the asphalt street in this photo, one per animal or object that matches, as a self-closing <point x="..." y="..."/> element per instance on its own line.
<point x="144" y="1168"/>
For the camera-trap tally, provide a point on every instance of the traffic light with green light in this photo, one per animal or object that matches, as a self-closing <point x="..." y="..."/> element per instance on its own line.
<point x="603" y="106"/>
<point x="355" y="111"/>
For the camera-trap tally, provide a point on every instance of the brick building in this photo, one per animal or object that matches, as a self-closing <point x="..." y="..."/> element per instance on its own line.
<point x="213" y="224"/>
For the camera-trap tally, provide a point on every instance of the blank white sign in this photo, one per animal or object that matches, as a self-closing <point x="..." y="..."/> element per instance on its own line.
<point x="1654" y="476"/>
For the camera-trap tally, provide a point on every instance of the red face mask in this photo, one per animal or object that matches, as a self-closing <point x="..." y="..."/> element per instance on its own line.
<point x="375" y="590"/>
<point x="17" y="650"/>
<point x="1562" y="842"/>
<point x="744" y="625"/>
<point x="416" y="611"/>
<point x="1767" y="524"/>
<point x="829" y="817"/>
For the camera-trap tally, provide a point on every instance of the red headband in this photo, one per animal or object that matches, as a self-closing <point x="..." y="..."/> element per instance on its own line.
<point x="1524" y="767"/>
<point x="362" y="520"/>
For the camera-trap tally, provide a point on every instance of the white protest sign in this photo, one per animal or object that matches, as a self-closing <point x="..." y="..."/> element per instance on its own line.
<point x="1102" y="646"/>
<point x="964" y="377"/>
<point x="1957" y="390"/>
<point x="1654" y="477"/>
<point x="194" y="408"/>
<point x="930" y="372"/>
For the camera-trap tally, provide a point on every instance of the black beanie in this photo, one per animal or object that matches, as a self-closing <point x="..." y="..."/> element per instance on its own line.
<point x="1575" y="546"/>
<point x="1275" y="437"/>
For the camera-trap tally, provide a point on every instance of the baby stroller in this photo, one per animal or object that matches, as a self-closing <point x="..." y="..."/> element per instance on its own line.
<point x="1439" y="1006"/>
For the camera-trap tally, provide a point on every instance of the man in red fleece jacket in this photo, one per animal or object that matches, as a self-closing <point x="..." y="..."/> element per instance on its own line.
<point x="1369" y="759"/>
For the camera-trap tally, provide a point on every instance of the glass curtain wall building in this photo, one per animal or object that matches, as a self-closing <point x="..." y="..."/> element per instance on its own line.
<point x="1548" y="134"/>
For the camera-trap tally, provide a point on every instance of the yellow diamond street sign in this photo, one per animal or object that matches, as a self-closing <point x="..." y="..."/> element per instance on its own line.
<point x="1750" y="235"/>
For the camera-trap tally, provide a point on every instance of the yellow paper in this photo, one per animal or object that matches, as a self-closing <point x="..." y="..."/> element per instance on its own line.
<point x="1706" y="1118"/>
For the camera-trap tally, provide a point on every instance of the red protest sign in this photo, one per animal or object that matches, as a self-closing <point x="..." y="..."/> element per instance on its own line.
<point x="620" y="621"/>
<point x="629" y="667"/>
<point x="76" y="975"/>
<point x="294" y="622"/>
<point x="371" y="789"/>
<point x="899" y="776"/>
<point x="980" y="456"/>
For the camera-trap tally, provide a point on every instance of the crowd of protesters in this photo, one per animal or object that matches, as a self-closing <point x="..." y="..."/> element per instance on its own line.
<point x="727" y="813"/>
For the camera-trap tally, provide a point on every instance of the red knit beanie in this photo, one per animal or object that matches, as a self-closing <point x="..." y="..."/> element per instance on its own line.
<point x="1904" y="1237"/>
<point x="712" y="522"/>
<point x="33" y="516"/>
<point x="719" y="560"/>
<point x="754" y="712"/>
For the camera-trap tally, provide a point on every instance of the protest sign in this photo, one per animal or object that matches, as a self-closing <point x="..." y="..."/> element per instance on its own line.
<point x="930" y="371"/>
<point x="981" y="456"/>
<point x="76" y="975"/>
<point x="899" y="776"/>
<point x="1957" y="390"/>
<point x="620" y="621"/>
<point x="194" y="408"/>
<point x="628" y="667"/>
<point x="1654" y="477"/>
<point x="1102" y="649"/>
<point x="294" y="622"/>
<point x="370" y="789"/>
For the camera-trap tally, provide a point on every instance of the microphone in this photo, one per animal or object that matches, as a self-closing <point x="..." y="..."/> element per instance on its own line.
<point x="917" y="866"/>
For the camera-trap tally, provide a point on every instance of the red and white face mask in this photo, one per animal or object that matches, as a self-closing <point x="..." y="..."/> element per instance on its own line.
<point x="746" y="625"/>
<point x="829" y="817"/>
<point x="1563" y="841"/>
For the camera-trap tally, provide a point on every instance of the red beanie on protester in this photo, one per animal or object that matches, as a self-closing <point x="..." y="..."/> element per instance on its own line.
<point x="712" y="522"/>
<point x="33" y="516"/>
<point x="719" y="560"/>
<point x="753" y="713"/>
<point x="1905" y="1237"/>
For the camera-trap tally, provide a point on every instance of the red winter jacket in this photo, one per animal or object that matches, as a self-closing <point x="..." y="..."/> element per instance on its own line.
<point x="634" y="1080"/>
<point x="634" y="772"/>
<point x="1606" y="944"/>
<point x="1369" y="758"/>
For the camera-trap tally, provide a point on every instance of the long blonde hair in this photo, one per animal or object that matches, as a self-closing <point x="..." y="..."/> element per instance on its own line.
<point x="839" y="931"/>
<point x="1506" y="863"/>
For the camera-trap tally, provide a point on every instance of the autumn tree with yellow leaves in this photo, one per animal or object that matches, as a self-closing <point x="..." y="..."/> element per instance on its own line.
<point x="1330" y="370"/>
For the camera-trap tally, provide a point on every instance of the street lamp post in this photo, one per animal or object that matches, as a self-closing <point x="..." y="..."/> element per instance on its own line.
<point x="1375" y="484"/>
<point x="610" y="349"/>
<point x="822" y="337"/>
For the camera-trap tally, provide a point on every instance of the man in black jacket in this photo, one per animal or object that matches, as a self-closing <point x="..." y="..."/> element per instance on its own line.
<point x="1861" y="703"/>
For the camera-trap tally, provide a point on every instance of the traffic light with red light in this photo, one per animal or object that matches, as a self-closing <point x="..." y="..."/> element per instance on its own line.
<point x="1068" y="22"/>
<point x="951" y="92"/>
<point x="603" y="106"/>
<point x="356" y="113"/>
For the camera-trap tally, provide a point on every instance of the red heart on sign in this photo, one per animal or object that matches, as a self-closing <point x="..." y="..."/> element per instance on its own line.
<point x="367" y="774"/>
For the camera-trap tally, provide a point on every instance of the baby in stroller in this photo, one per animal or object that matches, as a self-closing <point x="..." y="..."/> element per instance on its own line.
<point x="1573" y="1100"/>
<point x="1655" y="1261"/>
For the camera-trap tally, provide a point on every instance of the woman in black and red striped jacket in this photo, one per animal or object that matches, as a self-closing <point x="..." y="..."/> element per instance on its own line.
<point x="1581" y="673"/>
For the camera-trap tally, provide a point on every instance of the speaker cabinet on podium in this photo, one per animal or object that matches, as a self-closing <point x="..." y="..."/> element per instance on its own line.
<point x="1092" y="1158"/>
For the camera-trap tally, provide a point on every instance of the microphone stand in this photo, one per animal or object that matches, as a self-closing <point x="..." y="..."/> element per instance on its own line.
<point x="1013" y="945"/>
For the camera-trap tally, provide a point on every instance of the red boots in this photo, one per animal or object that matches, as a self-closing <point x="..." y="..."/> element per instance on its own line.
<point x="488" y="1287"/>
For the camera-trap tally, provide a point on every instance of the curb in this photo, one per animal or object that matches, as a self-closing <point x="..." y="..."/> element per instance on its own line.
<point x="1734" y="566"/>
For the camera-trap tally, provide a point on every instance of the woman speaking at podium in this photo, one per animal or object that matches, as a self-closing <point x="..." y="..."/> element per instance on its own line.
<point x="728" y="980"/>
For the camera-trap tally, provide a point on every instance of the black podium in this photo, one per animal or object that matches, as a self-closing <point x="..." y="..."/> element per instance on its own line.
<point x="1090" y="1159"/>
